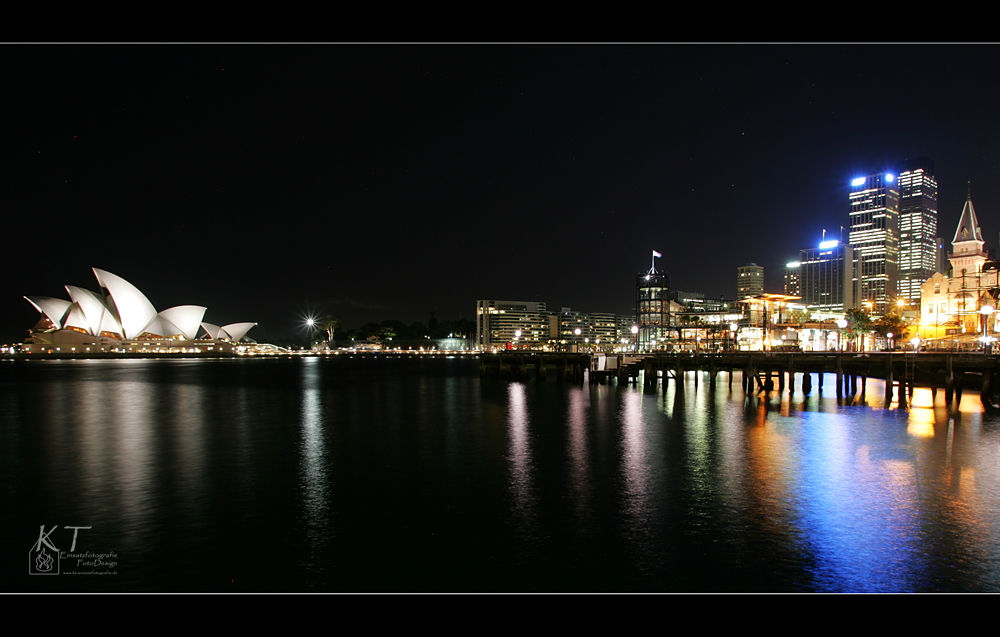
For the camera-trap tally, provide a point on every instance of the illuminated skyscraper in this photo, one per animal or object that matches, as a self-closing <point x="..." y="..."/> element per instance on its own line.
<point x="749" y="281"/>
<point x="918" y="254"/>
<point x="826" y="278"/>
<point x="875" y="238"/>
<point x="793" y="278"/>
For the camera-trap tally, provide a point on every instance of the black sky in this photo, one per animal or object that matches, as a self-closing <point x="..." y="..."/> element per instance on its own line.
<point x="375" y="182"/>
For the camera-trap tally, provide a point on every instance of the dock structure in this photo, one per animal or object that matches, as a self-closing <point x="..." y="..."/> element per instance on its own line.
<point x="767" y="371"/>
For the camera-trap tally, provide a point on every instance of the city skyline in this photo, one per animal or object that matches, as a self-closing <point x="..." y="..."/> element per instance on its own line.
<point x="377" y="182"/>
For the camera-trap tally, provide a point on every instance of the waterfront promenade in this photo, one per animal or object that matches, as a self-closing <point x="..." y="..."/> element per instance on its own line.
<point x="770" y="371"/>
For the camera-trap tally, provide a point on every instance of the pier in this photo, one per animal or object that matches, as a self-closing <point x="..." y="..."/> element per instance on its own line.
<point x="766" y="371"/>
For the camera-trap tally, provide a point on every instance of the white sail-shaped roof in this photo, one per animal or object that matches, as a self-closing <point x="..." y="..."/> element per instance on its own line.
<point x="156" y="328"/>
<point x="187" y="319"/>
<point x="122" y="310"/>
<point x="236" y="331"/>
<point x="213" y="331"/>
<point x="134" y="310"/>
<point x="76" y="319"/>
<point x="54" y="309"/>
<point x="93" y="309"/>
<point x="110" y="324"/>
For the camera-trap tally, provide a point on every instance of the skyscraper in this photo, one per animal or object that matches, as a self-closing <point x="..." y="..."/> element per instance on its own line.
<point x="793" y="278"/>
<point x="827" y="274"/>
<point x="875" y="238"/>
<point x="749" y="281"/>
<point x="918" y="254"/>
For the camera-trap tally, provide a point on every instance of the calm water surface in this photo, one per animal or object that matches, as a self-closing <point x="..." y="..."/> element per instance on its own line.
<point x="416" y="475"/>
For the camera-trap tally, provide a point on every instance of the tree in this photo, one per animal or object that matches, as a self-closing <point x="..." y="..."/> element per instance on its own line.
<point x="329" y="325"/>
<point x="858" y="324"/>
<point x="890" y="324"/>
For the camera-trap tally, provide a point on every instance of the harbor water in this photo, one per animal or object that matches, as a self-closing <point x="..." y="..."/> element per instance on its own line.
<point x="414" y="474"/>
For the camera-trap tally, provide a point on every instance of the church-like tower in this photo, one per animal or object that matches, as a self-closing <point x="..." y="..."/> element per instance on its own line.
<point x="967" y="257"/>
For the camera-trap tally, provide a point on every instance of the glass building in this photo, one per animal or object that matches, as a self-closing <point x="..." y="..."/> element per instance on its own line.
<point x="874" y="201"/>
<point x="826" y="278"/>
<point x="918" y="210"/>
<point x="652" y="309"/>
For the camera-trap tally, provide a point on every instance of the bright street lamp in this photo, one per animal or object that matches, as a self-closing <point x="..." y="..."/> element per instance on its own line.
<point x="986" y="310"/>
<point x="841" y="323"/>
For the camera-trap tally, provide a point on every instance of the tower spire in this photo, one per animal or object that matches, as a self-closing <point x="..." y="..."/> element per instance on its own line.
<point x="968" y="224"/>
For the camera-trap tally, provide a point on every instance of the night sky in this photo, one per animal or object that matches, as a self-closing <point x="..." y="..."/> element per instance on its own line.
<point x="383" y="182"/>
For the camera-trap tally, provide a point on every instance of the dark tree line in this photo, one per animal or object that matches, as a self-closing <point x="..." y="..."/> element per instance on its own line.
<point x="394" y="330"/>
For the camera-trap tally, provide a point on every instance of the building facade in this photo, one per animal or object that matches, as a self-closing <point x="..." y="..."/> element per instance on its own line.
<point x="874" y="236"/>
<point x="516" y="322"/>
<point x="793" y="278"/>
<point x="918" y="239"/>
<point x="827" y="277"/>
<point x="749" y="281"/>
<point x="956" y="308"/>
<point x="652" y="309"/>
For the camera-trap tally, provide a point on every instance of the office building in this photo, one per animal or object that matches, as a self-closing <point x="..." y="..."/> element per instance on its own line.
<point x="826" y="278"/>
<point x="918" y="240"/>
<point x="793" y="278"/>
<point x="874" y="236"/>
<point x="749" y="281"/>
<point x="518" y="323"/>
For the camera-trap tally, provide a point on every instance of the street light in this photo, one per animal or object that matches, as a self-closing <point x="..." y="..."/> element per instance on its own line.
<point x="635" y="338"/>
<point x="985" y="310"/>
<point x="732" y="328"/>
<point x="576" y="347"/>
<point x="841" y="323"/>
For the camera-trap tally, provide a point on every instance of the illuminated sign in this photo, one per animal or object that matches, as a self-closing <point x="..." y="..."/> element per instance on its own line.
<point x="793" y="264"/>
<point x="858" y="182"/>
<point x="828" y="244"/>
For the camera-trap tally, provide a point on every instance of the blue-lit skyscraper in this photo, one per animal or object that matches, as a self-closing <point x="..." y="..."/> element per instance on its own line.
<point x="875" y="239"/>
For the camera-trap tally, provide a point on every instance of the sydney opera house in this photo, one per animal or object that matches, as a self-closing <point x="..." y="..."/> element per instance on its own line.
<point x="121" y="319"/>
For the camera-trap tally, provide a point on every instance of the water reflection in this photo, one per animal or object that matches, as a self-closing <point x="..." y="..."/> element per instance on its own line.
<point x="520" y="458"/>
<point x="605" y="487"/>
<point x="638" y="459"/>
<point x="579" y="451"/>
<point x="313" y="478"/>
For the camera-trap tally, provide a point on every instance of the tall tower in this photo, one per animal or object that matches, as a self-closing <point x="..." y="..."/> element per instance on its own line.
<point x="875" y="238"/>
<point x="749" y="281"/>
<point x="652" y="308"/>
<point x="918" y="209"/>
<point x="793" y="278"/>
